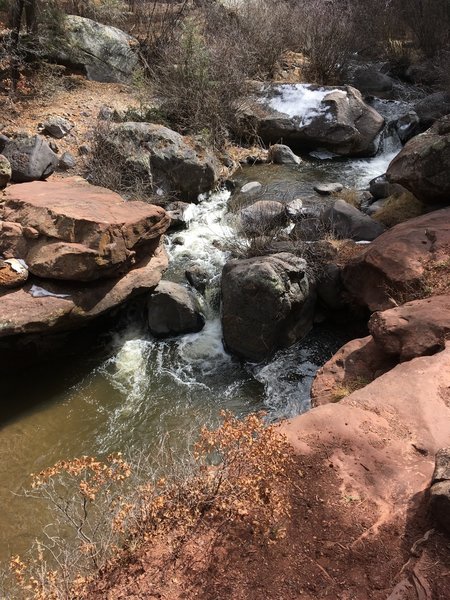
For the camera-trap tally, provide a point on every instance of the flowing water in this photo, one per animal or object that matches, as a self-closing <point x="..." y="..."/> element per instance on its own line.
<point x="145" y="389"/>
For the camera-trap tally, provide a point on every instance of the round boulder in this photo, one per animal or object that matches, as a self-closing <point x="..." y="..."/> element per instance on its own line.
<point x="31" y="158"/>
<point x="267" y="304"/>
<point x="173" y="310"/>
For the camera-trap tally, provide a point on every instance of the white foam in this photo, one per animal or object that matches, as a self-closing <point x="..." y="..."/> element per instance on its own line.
<point x="299" y="100"/>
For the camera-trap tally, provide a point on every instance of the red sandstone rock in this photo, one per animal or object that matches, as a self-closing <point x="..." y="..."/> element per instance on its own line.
<point x="85" y="232"/>
<point x="395" y="262"/>
<point x="416" y="328"/>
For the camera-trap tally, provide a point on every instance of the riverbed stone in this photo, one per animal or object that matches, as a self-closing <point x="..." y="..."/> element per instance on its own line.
<point x="282" y="155"/>
<point x="347" y="222"/>
<point x="267" y="303"/>
<point x="173" y="310"/>
<point x="326" y="189"/>
<point x="394" y="264"/>
<point x="263" y="216"/>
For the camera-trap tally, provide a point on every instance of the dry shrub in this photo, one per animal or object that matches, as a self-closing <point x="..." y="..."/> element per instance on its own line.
<point x="236" y="474"/>
<point x="399" y="208"/>
<point x="350" y="195"/>
<point x="326" y="38"/>
<point x="107" y="167"/>
<point x="429" y="21"/>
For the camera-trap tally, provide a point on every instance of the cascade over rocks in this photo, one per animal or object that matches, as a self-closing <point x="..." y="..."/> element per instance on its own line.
<point x="30" y="157"/>
<point x="396" y="262"/>
<point x="267" y="304"/>
<point x="313" y="117"/>
<point x="424" y="163"/>
<point x="158" y="155"/>
<point x="173" y="310"/>
<point x="105" y="53"/>
<point x="80" y="232"/>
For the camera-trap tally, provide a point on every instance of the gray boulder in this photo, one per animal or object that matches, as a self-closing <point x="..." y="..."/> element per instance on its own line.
<point x="312" y="117"/>
<point x="173" y="310"/>
<point x="326" y="189"/>
<point x="282" y="155"/>
<point x="159" y="155"/>
<point x="432" y="108"/>
<point x="422" y="167"/>
<point x="267" y="304"/>
<point x="105" y="53"/>
<point x="31" y="158"/>
<point x="262" y="217"/>
<point x="371" y="82"/>
<point x="198" y="278"/>
<point x="346" y="221"/>
<point x="57" y="127"/>
<point x="407" y="126"/>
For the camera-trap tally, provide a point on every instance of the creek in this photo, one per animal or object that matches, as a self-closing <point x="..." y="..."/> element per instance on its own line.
<point x="141" y="389"/>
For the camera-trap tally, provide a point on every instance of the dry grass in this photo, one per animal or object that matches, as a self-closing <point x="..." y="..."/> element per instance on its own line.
<point x="347" y="387"/>
<point x="350" y="195"/>
<point x="399" y="208"/>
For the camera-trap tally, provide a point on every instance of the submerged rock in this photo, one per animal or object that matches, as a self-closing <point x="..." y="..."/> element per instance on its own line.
<point x="267" y="303"/>
<point x="312" y="117"/>
<point x="173" y="310"/>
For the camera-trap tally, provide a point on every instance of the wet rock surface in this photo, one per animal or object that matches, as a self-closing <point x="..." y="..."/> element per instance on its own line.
<point x="336" y="119"/>
<point x="173" y="310"/>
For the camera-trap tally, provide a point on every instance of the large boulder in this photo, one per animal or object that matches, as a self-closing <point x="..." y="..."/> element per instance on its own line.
<point x="371" y="82"/>
<point x="105" y="53"/>
<point x="280" y="154"/>
<point x="71" y="230"/>
<point x="424" y="163"/>
<point x="395" y="264"/>
<point x="30" y="157"/>
<point x="267" y="303"/>
<point x="158" y="155"/>
<point x="311" y="117"/>
<point x="173" y="310"/>
<point x="346" y="221"/>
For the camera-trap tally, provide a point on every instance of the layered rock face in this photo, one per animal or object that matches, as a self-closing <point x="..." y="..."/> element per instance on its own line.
<point x="424" y="163"/>
<point x="336" y="119"/>
<point x="397" y="260"/>
<point x="75" y="231"/>
<point x="267" y="303"/>
<point x="87" y="251"/>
